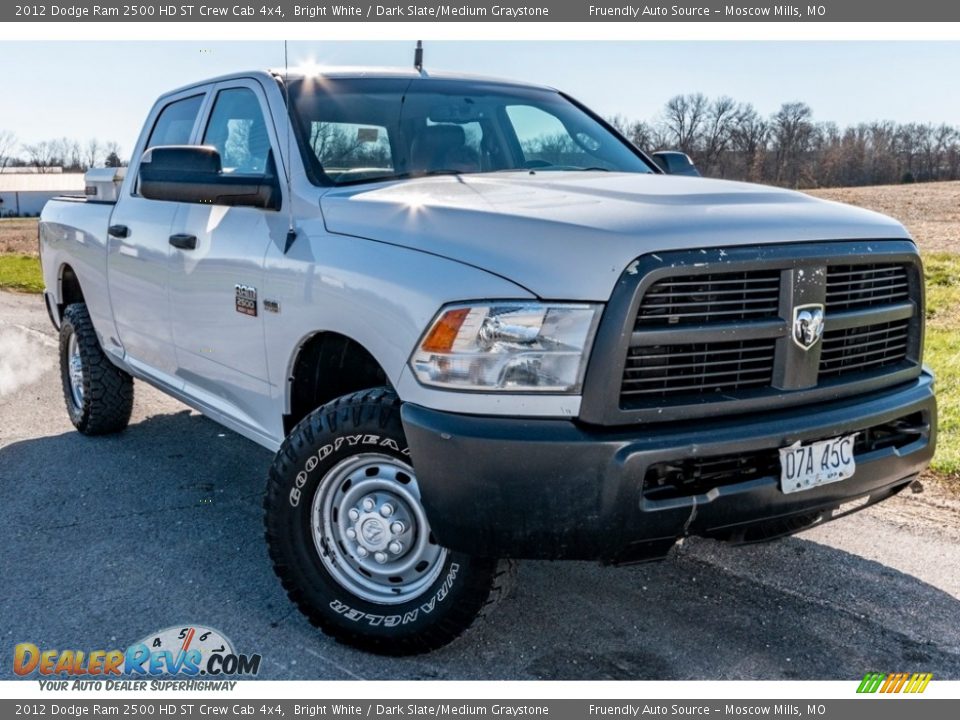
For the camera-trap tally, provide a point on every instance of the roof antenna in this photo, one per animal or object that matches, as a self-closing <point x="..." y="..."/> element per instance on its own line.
<point x="418" y="57"/>
<point x="291" y="230"/>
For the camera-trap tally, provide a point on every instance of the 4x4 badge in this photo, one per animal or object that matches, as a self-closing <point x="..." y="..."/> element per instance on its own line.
<point x="807" y="325"/>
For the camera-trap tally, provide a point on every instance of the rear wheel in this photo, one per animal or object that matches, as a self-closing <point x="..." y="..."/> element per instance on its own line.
<point x="351" y="542"/>
<point x="98" y="394"/>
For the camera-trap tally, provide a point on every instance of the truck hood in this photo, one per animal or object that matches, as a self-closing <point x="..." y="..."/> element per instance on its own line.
<point x="570" y="235"/>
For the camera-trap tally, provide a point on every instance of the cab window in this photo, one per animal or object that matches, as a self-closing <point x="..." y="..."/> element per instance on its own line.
<point x="174" y="125"/>
<point x="237" y="130"/>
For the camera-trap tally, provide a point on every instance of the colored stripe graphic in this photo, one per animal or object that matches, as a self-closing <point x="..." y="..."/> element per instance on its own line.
<point x="894" y="683"/>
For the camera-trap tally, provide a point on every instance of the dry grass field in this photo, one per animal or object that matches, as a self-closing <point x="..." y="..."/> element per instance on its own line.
<point x="18" y="236"/>
<point x="930" y="211"/>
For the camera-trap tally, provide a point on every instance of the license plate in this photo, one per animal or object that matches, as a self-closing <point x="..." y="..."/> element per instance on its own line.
<point x="803" y="467"/>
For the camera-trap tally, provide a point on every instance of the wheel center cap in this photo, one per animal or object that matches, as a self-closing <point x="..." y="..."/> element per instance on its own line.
<point x="372" y="531"/>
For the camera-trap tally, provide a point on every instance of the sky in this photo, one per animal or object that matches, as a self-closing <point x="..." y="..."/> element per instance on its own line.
<point x="105" y="89"/>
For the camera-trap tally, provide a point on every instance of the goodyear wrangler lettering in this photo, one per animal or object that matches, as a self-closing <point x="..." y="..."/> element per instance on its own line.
<point x="350" y="440"/>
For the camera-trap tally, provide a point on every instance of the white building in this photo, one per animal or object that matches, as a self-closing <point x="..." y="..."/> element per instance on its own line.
<point x="26" y="193"/>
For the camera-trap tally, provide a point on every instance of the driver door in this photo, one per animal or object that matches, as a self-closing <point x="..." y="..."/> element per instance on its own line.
<point x="216" y="277"/>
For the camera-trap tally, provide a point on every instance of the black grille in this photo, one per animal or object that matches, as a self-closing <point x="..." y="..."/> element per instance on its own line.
<point x="696" y="476"/>
<point x="866" y="348"/>
<point x="717" y="297"/>
<point x="851" y="287"/>
<point x="660" y="370"/>
<point x="720" y="330"/>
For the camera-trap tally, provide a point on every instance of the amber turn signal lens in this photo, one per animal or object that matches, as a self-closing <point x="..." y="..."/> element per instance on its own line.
<point x="443" y="334"/>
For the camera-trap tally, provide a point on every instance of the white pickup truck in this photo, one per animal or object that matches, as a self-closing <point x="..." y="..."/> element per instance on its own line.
<point x="476" y="323"/>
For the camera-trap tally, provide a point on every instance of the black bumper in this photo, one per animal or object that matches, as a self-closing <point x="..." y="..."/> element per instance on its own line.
<point x="527" y="488"/>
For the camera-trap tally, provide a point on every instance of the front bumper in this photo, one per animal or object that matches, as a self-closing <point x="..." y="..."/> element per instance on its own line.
<point x="520" y="488"/>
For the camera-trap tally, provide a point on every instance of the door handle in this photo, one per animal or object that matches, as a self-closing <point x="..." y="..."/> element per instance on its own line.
<point x="184" y="241"/>
<point x="118" y="231"/>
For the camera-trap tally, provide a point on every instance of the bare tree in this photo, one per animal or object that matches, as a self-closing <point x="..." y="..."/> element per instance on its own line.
<point x="640" y="133"/>
<point x="792" y="134"/>
<point x="748" y="139"/>
<point x="92" y="153"/>
<point x="720" y="118"/>
<point x="621" y="123"/>
<point x="683" y="118"/>
<point x="8" y="141"/>
<point x="69" y="154"/>
<point x="41" y="155"/>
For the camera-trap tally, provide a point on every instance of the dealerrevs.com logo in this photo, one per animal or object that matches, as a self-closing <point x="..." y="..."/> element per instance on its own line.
<point x="188" y="652"/>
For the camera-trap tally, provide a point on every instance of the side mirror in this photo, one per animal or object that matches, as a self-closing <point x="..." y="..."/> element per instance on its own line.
<point x="674" y="162"/>
<point x="194" y="174"/>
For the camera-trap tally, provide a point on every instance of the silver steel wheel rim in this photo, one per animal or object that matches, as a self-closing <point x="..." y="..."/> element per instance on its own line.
<point x="75" y="370"/>
<point x="371" y="532"/>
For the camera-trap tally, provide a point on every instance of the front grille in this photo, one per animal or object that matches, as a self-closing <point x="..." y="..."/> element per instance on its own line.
<point x="859" y="286"/>
<point x="697" y="476"/>
<point x="723" y="297"/>
<point x="689" y="330"/>
<point x="862" y="349"/>
<point x="661" y="370"/>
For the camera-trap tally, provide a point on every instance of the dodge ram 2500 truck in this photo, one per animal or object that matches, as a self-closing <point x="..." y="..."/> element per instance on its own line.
<point x="476" y="324"/>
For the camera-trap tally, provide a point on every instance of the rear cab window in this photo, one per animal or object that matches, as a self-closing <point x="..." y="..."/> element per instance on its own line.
<point x="174" y="125"/>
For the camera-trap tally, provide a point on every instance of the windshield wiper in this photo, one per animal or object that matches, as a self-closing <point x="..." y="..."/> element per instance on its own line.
<point x="572" y="168"/>
<point x="553" y="168"/>
<point x="424" y="173"/>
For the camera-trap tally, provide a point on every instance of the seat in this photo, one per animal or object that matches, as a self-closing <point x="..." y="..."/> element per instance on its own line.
<point x="441" y="147"/>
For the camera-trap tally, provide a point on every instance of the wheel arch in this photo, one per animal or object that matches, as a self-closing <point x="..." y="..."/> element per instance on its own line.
<point x="325" y="366"/>
<point x="69" y="290"/>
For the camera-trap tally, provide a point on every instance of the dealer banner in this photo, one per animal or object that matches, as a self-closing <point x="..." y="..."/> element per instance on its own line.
<point x="487" y="11"/>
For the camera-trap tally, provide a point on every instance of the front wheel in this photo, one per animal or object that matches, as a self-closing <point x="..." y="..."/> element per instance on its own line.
<point x="350" y="540"/>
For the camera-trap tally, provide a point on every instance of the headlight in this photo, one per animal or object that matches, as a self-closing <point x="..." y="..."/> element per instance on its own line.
<point x="518" y="347"/>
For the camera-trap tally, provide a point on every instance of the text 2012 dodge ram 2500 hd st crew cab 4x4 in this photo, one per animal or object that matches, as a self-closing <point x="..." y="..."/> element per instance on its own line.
<point x="476" y="323"/>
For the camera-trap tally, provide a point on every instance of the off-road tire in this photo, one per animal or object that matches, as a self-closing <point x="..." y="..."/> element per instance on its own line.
<point x="107" y="400"/>
<point x="350" y="426"/>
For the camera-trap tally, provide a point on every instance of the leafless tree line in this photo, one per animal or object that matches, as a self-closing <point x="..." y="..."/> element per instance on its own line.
<point x="730" y="139"/>
<point x="724" y="137"/>
<point x="70" y="154"/>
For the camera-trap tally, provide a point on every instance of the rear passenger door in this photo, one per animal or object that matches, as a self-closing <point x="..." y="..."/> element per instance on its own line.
<point x="216" y="303"/>
<point x="138" y="248"/>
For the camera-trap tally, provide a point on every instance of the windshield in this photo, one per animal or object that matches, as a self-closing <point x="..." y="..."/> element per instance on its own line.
<point x="367" y="129"/>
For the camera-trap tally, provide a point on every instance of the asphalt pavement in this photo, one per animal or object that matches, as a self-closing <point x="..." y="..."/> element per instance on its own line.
<point x="105" y="540"/>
